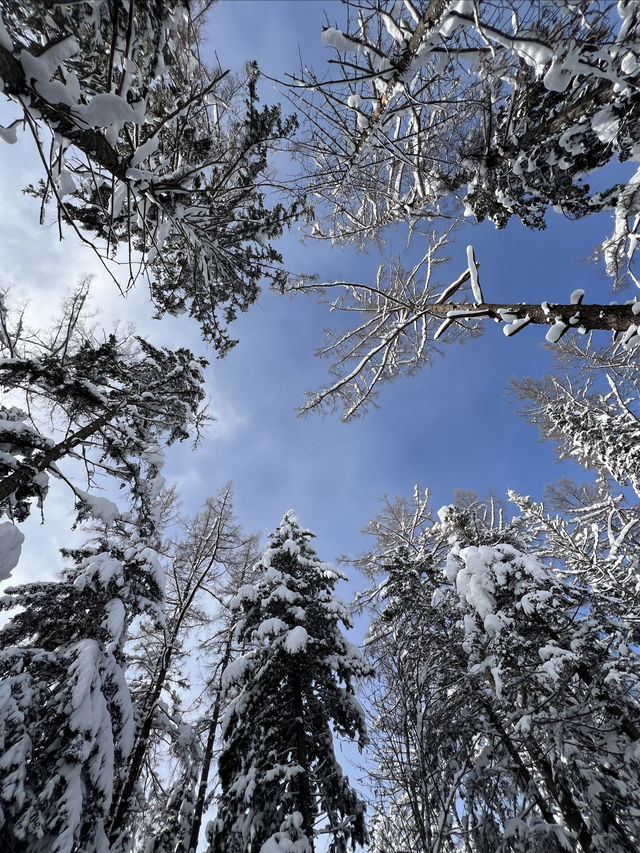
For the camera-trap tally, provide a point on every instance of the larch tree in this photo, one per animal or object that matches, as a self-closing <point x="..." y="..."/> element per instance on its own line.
<point x="142" y="145"/>
<point x="208" y="557"/>
<point x="403" y="318"/>
<point x="292" y="688"/>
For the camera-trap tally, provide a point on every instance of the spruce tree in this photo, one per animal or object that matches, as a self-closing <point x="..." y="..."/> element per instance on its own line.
<point x="66" y="716"/>
<point x="67" y="719"/>
<point x="290" y="690"/>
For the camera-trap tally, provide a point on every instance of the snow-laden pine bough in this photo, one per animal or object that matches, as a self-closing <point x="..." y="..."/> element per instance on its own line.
<point x="150" y="150"/>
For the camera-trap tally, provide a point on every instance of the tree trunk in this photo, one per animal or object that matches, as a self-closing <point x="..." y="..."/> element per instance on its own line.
<point x="92" y="142"/>
<point x="617" y="318"/>
<point x="560" y="793"/>
<point x="24" y="473"/>
<point x="122" y="799"/>
<point x="530" y="785"/>
<point x="304" y="784"/>
<point x="203" y="784"/>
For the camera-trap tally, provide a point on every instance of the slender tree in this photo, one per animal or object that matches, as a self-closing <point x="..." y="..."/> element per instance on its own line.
<point x="208" y="558"/>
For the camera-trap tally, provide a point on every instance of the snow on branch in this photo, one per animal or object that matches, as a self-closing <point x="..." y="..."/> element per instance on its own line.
<point x="496" y="109"/>
<point x="402" y="317"/>
<point x="152" y="151"/>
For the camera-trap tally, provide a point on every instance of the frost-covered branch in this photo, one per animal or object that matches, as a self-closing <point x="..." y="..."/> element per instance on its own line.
<point x="498" y="108"/>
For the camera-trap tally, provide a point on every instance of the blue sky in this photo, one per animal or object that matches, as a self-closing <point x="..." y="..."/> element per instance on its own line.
<point x="450" y="427"/>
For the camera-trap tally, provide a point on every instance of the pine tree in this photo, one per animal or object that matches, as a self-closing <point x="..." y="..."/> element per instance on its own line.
<point x="150" y="149"/>
<point x="289" y="691"/>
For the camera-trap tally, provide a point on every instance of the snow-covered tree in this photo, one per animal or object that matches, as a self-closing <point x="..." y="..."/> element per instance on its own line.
<point x="66" y="715"/>
<point x="593" y="419"/>
<point x="507" y="706"/>
<point x="500" y="107"/>
<point x="67" y="719"/>
<point x="107" y="401"/>
<point x="414" y="783"/>
<point x="588" y="406"/>
<point x="177" y="812"/>
<point x="281" y="784"/>
<point x="145" y="146"/>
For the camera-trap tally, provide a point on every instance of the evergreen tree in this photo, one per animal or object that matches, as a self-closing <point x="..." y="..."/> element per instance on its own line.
<point x="109" y="402"/>
<point x="150" y="149"/>
<point x="66" y="716"/>
<point x="507" y="706"/>
<point x="67" y="719"/>
<point x="289" y="691"/>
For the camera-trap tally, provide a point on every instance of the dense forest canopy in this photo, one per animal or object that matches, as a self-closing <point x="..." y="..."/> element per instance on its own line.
<point x="172" y="682"/>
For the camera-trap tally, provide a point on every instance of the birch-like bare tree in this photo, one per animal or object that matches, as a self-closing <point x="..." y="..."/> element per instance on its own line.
<point x="208" y="558"/>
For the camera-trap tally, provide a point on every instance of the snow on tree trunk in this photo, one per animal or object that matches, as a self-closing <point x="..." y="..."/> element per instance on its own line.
<point x="496" y="109"/>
